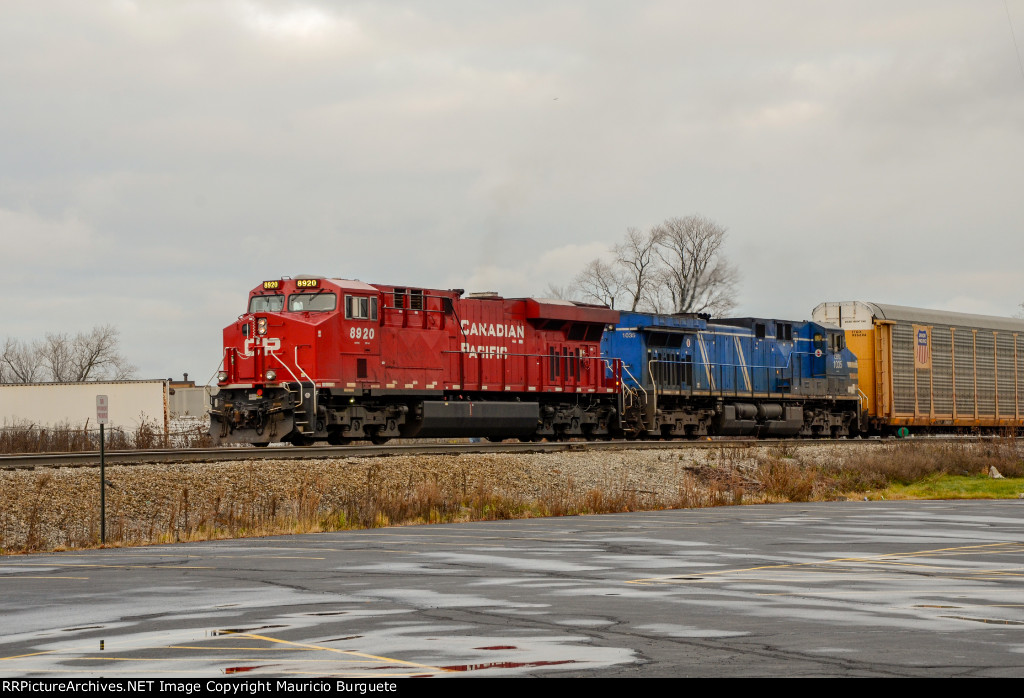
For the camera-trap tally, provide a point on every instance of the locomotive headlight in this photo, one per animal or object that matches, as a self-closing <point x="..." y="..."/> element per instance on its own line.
<point x="271" y="375"/>
<point x="222" y="376"/>
<point x="261" y="326"/>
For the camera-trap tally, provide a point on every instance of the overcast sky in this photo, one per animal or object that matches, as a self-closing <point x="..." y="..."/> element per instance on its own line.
<point x="159" y="159"/>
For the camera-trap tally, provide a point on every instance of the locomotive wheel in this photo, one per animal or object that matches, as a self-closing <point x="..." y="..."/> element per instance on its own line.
<point x="336" y="439"/>
<point x="378" y="440"/>
<point x="260" y="444"/>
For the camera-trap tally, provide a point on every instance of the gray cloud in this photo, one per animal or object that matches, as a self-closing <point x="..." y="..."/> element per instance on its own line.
<point x="158" y="159"/>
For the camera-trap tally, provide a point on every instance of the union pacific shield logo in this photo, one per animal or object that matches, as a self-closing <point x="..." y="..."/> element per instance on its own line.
<point x="922" y="347"/>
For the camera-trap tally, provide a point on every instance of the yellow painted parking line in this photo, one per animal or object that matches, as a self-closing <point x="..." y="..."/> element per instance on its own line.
<point x="113" y="567"/>
<point x="37" y="576"/>
<point x="22" y="656"/>
<point x="219" y="660"/>
<point x="360" y="675"/>
<point x="893" y="559"/>
<point x="340" y="651"/>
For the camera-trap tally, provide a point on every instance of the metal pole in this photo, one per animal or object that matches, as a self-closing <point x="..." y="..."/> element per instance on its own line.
<point x="103" y="490"/>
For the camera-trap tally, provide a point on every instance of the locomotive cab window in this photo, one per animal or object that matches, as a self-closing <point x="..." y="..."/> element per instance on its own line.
<point x="360" y="308"/>
<point x="266" y="304"/>
<point x="759" y="330"/>
<point x="784" y="331"/>
<point x="312" y="302"/>
<point x="838" y="342"/>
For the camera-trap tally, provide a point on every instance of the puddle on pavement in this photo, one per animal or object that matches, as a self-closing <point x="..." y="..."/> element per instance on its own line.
<point x="504" y="665"/>
<point x="242" y="669"/>
<point x="238" y="631"/>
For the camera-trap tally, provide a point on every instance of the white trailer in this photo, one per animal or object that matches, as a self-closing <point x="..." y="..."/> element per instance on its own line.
<point x="131" y="403"/>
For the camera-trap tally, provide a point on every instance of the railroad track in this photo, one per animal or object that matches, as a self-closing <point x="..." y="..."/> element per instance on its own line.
<point x="212" y="455"/>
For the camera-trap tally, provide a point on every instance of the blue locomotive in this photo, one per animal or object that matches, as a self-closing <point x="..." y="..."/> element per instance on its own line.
<point x="684" y="376"/>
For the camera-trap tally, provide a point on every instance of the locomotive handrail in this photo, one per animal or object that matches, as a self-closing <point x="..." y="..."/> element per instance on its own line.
<point x="718" y="368"/>
<point x="311" y="417"/>
<point x="654" y="394"/>
<point x="633" y="378"/>
<point x="288" y="368"/>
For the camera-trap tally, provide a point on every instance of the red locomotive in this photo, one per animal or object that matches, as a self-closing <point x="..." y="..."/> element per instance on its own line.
<point x="331" y="359"/>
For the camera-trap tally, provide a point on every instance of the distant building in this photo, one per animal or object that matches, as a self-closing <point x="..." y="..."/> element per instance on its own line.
<point x="184" y="399"/>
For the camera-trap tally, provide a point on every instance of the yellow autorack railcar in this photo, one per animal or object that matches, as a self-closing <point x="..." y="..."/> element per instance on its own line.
<point x="932" y="369"/>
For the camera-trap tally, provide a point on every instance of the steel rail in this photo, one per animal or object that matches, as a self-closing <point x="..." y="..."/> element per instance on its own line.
<point x="212" y="455"/>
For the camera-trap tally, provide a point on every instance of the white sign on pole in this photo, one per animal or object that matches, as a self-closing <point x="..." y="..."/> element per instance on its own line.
<point x="101" y="409"/>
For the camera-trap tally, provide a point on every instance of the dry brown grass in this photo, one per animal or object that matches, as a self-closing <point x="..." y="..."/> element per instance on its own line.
<point x="64" y="437"/>
<point x="188" y="503"/>
<point x="783" y="476"/>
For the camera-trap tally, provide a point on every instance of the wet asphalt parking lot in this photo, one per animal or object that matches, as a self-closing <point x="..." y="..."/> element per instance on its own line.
<point x="822" y="589"/>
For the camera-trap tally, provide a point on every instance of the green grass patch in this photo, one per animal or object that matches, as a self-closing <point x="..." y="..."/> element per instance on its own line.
<point x="956" y="487"/>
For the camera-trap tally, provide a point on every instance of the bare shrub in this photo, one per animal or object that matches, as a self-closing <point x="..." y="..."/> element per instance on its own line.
<point x="786" y="479"/>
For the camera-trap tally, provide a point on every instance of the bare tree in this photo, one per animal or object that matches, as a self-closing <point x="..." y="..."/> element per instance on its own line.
<point x="63" y="358"/>
<point x="637" y="260"/>
<point x="697" y="276"/>
<point x="22" y="362"/>
<point x="564" y="293"/>
<point x="600" y="282"/>
<point x="95" y="356"/>
<point x="675" y="267"/>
